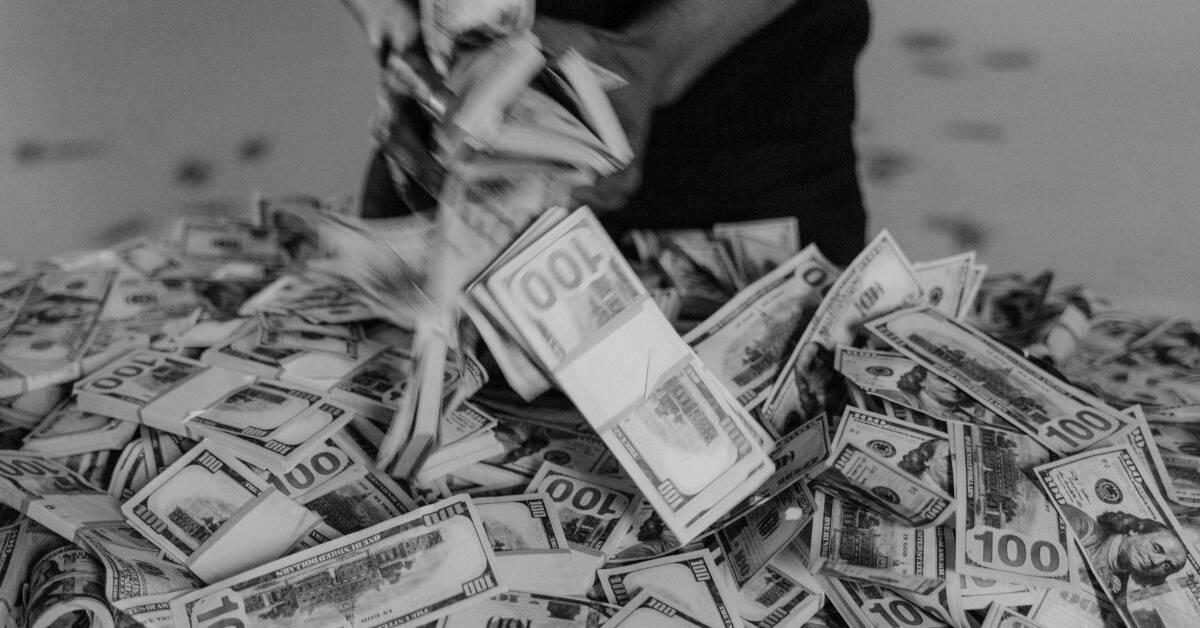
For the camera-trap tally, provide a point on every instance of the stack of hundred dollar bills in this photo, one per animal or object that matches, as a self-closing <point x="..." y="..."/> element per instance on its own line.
<point x="684" y="428"/>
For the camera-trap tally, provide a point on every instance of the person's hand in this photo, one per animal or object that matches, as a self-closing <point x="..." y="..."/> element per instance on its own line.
<point x="634" y="103"/>
<point x="391" y="25"/>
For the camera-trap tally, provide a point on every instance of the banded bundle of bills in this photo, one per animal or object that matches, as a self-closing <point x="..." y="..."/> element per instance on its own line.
<point x="212" y="513"/>
<point x="578" y="310"/>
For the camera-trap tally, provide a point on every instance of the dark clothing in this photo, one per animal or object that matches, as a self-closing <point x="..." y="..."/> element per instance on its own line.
<point x="766" y="132"/>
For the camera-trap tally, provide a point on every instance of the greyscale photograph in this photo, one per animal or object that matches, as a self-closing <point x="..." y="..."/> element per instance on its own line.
<point x="599" y="314"/>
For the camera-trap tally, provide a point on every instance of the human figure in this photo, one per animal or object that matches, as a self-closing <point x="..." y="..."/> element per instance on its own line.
<point x="736" y="110"/>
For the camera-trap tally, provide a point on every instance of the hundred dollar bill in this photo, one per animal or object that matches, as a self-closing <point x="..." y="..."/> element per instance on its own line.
<point x="921" y="452"/>
<point x="212" y="513"/>
<point x="329" y="465"/>
<point x="748" y="543"/>
<point x="1006" y="527"/>
<point x="851" y="542"/>
<point x="874" y="606"/>
<point x="311" y="341"/>
<point x="67" y="431"/>
<point x="1000" y="616"/>
<point x="746" y="341"/>
<point x="138" y="578"/>
<point x="878" y="281"/>
<point x="340" y="483"/>
<point x="53" y="495"/>
<point x="1063" y="418"/>
<point x="1072" y="607"/>
<point x="46" y="325"/>
<point x="566" y="289"/>
<point x="155" y="388"/>
<point x="268" y="322"/>
<point x="527" y="446"/>
<point x="532" y="610"/>
<point x="759" y="246"/>
<point x="212" y="241"/>
<point x="651" y="610"/>
<point x="65" y="589"/>
<point x="360" y="502"/>
<point x="1128" y="535"/>
<point x="796" y="453"/>
<point x="709" y="254"/>
<point x="12" y="574"/>
<point x="530" y="545"/>
<point x="1183" y="479"/>
<point x="690" y="582"/>
<point x="27" y="409"/>
<point x="946" y="281"/>
<point x="131" y="471"/>
<point x="647" y="538"/>
<point x="782" y="594"/>
<point x="595" y="511"/>
<point x="413" y="569"/>
<point x="271" y="424"/>
<point x="902" y="381"/>
<point x="308" y="298"/>
<point x="856" y="474"/>
<point x="151" y="261"/>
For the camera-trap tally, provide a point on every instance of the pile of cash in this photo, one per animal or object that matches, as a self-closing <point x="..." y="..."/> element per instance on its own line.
<point x="496" y="415"/>
<point x="710" y="428"/>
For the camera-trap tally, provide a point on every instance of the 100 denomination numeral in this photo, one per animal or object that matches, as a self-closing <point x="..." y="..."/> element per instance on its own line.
<point x="586" y="499"/>
<point x="1079" y="431"/>
<point x="1012" y="550"/>
<point x="564" y="272"/>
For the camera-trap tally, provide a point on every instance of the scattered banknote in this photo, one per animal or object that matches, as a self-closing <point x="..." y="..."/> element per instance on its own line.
<point x="878" y="281"/>
<point x="748" y="543"/>
<point x="859" y="475"/>
<point x="689" y="582"/>
<point x="530" y="545"/>
<point x="746" y="341"/>
<point x="1005" y="617"/>
<point x="902" y="381"/>
<point x="1128" y="535"/>
<point x="595" y="511"/>
<point x="759" y="246"/>
<point x="1062" y="417"/>
<point x="52" y="494"/>
<point x="947" y="283"/>
<point x="1006" y="527"/>
<point x="270" y="424"/>
<point x="783" y="593"/>
<point x="532" y="610"/>
<point x="851" y="542"/>
<point x="138" y="578"/>
<point x="46" y="326"/>
<point x="66" y="589"/>
<point x="423" y="565"/>
<point x="1072" y="607"/>
<point x="212" y="513"/>
<point x="67" y="431"/>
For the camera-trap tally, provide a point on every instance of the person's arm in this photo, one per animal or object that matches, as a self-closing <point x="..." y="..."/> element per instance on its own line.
<point x="661" y="53"/>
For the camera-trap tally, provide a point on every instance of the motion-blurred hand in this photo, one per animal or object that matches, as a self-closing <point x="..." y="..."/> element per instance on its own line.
<point x="634" y="103"/>
<point x="391" y="25"/>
